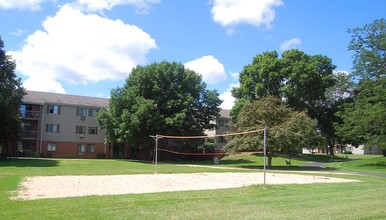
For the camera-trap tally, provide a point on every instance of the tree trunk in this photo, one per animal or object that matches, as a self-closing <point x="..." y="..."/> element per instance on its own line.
<point x="332" y="144"/>
<point x="384" y="153"/>
<point x="269" y="155"/>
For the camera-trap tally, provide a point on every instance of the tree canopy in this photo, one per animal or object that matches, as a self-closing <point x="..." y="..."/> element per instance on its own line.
<point x="364" y="120"/>
<point x="369" y="46"/>
<point x="161" y="98"/>
<point x="11" y="95"/>
<point x="288" y="130"/>
<point x="300" y="80"/>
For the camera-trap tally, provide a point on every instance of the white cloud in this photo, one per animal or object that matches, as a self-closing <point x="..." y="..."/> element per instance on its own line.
<point x="44" y="84"/>
<point x="230" y="13"/>
<point x="228" y="101"/>
<point x="235" y="75"/>
<point x="18" y="32"/>
<point x="289" y="44"/>
<point x="227" y="98"/>
<point x="142" y="6"/>
<point x="209" y="67"/>
<point x="32" y="5"/>
<point x="79" y="49"/>
<point x="345" y="72"/>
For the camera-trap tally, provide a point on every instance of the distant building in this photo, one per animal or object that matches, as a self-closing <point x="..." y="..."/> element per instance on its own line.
<point x="222" y="124"/>
<point x="361" y="149"/>
<point x="59" y="125"/>
<point x="64" y="126"/>
<point x="339" y="149"/>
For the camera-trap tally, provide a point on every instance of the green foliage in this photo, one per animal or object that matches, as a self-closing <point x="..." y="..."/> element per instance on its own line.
<point x="161" y="98"/>
<point x="11" y="95"/>
<point x="288" y="130"/>
<point x="300" y="80"/>
<point x="368" y="43"/>
<point x="364" y="120"/>
<point x="208" y="145"/>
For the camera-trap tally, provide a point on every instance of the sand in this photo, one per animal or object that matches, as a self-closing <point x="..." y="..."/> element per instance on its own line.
<point x="44" y="187"/>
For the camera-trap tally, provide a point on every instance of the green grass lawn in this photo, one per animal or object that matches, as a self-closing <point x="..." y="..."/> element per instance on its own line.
<point x="361" y="200"/>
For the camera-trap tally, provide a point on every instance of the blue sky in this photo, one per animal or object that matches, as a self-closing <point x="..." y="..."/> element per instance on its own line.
<point x="88" y="47"/>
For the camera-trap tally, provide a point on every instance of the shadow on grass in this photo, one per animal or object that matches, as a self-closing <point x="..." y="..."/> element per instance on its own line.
<point x="27" y="162"/>
<point x="379" y="165"/>
<point x="238" y="161"/>
<point x="292" y="168"/>
<point x="319" y="158"/>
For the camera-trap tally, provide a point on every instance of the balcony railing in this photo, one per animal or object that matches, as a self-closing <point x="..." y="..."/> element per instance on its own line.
<point x="29" y="134"/>
<point x="29" y="114"/>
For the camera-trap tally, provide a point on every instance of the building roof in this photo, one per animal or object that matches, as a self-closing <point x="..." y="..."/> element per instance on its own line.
<point x="42" y="98"/>
<point x="224" y="113"/>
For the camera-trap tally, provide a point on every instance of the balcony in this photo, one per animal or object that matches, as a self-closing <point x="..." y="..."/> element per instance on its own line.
<point x="29" y="134"/>
<point x="29" y="114"/>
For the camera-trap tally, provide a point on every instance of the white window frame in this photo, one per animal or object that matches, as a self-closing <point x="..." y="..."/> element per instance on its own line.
<point x="91" y="112"/>
<point x="91" y="148"/>
<point x="52" y="128"/>
<point x="79" y="129"/>
<point x="81" y="148"/>
<point x="80" y="111"/>
<point x="51" y="147"/>
<point x="53" y="109"/>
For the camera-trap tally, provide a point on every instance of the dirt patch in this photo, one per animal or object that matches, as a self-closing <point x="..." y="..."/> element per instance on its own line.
<point x="43" y="187"/>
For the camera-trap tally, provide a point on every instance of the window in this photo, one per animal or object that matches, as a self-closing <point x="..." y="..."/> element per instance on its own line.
<point x="53" y="109"/>
<point x="81" y="111"/>
<point x="81" y="148"/>
<point x="26" y="126"/>
<point x="223" y="123"/>
<point x="90" y="147"/>
<point x="92" y="130"/>
<point x="92" y="112"/>
<point x="80" y="129"/>
<point x="51" y="147"/>
<point x="52" y="128"/>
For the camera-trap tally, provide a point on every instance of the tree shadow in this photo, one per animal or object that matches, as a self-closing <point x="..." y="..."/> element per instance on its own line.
<point x="318" y="158"/>
<point x="292" y="168"/>
<point x="238" y="161"/>
<point x="27" y="162"/>
<point x="379" y="165"/>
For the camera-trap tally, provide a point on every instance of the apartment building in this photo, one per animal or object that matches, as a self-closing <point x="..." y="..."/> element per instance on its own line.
<point x="59" y="125"/>
<point x="65" y="126"/>
<point x="222" y="124"/>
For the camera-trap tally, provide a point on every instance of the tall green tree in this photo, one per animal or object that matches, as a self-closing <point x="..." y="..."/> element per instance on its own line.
<point x="299" y="79"/>
<point x="338" y="94"/>
<point x="161" y="98"/>
<point x="288" y="130"/>
<point x="369" y="46"/>
<point x="11" y="95"/>
<point x="364" y="120"/>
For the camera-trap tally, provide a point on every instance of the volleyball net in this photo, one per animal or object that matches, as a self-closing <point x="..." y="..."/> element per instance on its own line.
<point x="203" y="147"/>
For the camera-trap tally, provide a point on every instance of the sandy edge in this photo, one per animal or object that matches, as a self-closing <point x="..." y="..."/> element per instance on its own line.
<point x="43" y="187"/>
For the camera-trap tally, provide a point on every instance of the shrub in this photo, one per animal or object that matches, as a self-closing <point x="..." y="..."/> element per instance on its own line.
<point x="347" y="152"/>
<point x="101" y="155"/>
